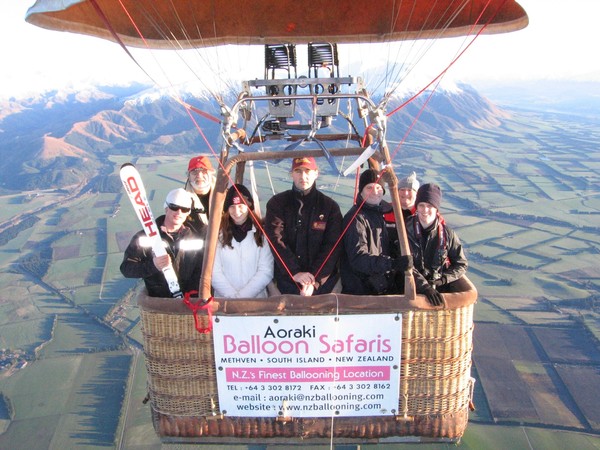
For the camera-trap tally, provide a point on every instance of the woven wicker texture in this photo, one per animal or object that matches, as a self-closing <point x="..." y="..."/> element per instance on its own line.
<point x="435" y="382"/>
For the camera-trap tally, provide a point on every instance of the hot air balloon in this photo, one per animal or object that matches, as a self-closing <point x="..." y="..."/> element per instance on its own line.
<point x="400" y="368"/>
<point x="200" y="24"/>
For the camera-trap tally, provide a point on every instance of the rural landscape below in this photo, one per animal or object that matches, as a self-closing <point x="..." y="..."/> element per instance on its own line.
<point x="522" y="191"/>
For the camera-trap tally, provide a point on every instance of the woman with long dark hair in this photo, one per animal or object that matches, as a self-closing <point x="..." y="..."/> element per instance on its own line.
<point x="243" y="261"/>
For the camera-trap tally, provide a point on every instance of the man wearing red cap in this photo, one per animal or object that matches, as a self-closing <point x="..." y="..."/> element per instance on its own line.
<point x="200" y="182"/>
<point x="303" y="225"/>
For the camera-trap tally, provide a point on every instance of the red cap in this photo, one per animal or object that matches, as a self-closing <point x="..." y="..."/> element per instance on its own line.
<point x="307" y="162"/>
<point x="200" y="162"/>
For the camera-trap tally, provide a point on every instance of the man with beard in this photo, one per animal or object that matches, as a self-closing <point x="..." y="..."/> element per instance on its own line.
<point x="200" y="183"/>
<point x="369" y="264"/>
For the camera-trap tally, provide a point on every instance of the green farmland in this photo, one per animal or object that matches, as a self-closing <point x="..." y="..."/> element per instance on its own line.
<point x="528" y="213"/>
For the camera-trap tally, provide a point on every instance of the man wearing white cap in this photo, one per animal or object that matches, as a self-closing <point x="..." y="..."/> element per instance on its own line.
<point x="185" y="249"/>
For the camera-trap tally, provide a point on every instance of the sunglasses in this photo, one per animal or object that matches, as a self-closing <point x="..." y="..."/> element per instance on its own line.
<point x="174" y="207"/>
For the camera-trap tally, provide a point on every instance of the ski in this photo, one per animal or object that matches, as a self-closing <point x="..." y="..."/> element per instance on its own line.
<point x="366" y="154"/>
<point x="134" y="186"/>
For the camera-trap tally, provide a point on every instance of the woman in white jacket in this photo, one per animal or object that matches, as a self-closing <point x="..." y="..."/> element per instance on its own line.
<point x="243" y="261"/>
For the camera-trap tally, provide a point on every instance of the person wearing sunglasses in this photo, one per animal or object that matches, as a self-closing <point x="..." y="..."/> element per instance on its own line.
<point x="185" y="249"/>
<point x="200" y="182"/>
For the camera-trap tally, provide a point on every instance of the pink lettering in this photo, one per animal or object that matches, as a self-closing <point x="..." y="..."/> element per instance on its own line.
<point x="229" y="343"/>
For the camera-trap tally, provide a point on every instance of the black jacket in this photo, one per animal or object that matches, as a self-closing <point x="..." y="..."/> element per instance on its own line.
<point x="186" y="249"/>
<point x="437" y="256"/>
<point x="367" y="261"/>
<point x="303" y="229"/>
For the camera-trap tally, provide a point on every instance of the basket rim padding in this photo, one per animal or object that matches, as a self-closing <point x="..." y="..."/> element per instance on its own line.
<point x="319" y="304"/>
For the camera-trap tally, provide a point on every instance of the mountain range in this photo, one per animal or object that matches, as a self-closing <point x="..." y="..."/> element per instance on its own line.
<point x="58" y="139"/>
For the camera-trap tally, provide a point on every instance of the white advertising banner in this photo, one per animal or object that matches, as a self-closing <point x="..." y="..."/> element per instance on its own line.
<point x="308" y="366"/>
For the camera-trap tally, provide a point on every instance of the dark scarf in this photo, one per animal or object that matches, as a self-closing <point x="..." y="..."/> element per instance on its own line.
<point x="204" y="199"/>
<point x="425" y="232"/>
<point x="240" y="232"/>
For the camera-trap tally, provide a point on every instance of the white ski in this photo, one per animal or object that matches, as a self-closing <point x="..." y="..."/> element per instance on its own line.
<point x="134" y="186"/>
<point x="366" y="154"/>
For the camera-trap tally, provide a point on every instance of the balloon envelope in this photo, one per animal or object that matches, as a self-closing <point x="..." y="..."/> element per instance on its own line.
<point x="202" y="23"/>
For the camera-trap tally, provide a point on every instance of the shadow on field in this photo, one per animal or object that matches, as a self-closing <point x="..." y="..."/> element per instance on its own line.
<point x="77" y="333"/>
<point x="98" y="419"/>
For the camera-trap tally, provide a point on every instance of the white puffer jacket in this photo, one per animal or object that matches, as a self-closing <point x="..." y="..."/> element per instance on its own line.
<point x="244" y="270"/>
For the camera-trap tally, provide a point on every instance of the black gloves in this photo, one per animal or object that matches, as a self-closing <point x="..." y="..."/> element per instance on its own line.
<point x="403" y="263"/>
<point x="433" y="296"/>
<point x="379" y="283"/>
<point x="440" y="281"/>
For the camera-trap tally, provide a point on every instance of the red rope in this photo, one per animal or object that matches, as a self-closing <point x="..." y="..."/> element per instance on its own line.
<point x="439" y="77"/>
<point x="443" y="72"/>
<point x="116" y="36"/>
<point x="200" y="305"/>
<point x="189" y="108"/>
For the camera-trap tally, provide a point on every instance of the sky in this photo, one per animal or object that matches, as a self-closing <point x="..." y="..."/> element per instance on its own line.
<point x="559" y="43"/>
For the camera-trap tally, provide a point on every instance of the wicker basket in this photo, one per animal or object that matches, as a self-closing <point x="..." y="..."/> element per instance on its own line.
<point x="435" y="382"/>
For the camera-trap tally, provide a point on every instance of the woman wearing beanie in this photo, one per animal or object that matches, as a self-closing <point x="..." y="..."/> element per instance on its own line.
<point x="439" y="260"/>
<point x="368" y="265"/>
<point x="243" y="260"/>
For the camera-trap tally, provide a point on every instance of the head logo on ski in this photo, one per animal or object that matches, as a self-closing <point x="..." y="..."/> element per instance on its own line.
<point x="134" y="186"/>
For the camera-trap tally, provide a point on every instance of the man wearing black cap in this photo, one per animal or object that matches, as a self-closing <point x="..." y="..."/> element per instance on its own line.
<point x="368" y="266"/>
<point x="439" y="260"/>
<point x="303" y="225"/>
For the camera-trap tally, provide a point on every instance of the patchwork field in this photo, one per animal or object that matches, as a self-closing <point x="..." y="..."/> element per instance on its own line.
<point x="532" y="239"/>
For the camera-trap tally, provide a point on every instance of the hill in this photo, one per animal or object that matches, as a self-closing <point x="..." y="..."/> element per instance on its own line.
<point x="521" y="188"/>
<point x="61" y="139"/>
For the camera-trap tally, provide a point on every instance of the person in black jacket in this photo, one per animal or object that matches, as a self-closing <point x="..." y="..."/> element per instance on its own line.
<point x="407" y="194"/>
<point x="368" y="264"/>
<point x="185" y="250"/>
<point x="303" y="226"/>
<point x="439" y="259"/>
